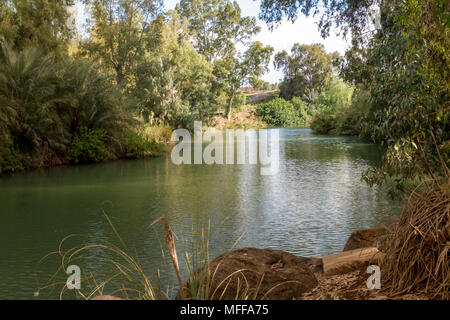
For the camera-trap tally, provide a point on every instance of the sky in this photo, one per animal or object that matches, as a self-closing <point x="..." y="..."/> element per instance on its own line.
<point x="304" y="31"/>
<point x="283" y="37"/>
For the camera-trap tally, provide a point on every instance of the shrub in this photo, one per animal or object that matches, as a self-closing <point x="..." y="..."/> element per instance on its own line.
<point x="323" y="122"/>
<point x="337" y="96"/>
<point x="282" y="113"/>
<point x="10" y="159"/>
<point x="89" y="146"/>
<point x="139" y="144"/>
<point x="340" y="118"/>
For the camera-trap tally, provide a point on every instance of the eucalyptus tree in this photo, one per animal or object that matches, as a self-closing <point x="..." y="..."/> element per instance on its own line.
<point x="39" y="23"/>
<point x="233" y="72"/>
<point x="217" y="26"/>
<point x="404" y="65"/>
<point x="308" y="67"/>
<point x="173" y="81"/>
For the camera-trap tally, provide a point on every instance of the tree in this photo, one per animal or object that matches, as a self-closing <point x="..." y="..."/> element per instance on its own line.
<point x="28" y="83"/>
<point x="173" y="81"/>
<point x="118" y="33"/>
<point x="348" y="16"/>
<point x="217" y="26"/>
<point x="308" y="67"/>
<point x="404" y="66"/>
<point x="234" y="72"/>
<point x="408" y="63"/>
<point x="38" y="23"/>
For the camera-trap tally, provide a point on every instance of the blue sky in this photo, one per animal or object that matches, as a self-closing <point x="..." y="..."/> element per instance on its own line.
<point x="303" y="31"/>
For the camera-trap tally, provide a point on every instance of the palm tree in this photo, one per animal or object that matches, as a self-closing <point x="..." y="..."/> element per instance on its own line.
<point x="88" y="99"/>
<point x="27" y="94"/>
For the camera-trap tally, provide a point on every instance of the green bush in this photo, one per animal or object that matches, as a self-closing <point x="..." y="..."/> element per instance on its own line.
<point x="282" y="113"/>
<point x="89" y="146"/>
<point x="138" y="145"/>
<point x="337" y="96"/>
<point x="323" y="122"/>
<point x="338" y="118"/>
<point x="239" y="101"/>
<point x="10" y="159"/>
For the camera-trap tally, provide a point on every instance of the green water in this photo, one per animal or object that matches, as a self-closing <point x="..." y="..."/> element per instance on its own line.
<point x="309" y="208"/>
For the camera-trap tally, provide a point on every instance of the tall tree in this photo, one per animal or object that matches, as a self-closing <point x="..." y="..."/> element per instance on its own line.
<point x="308" y="67"/>
<point x="173" y="80"/>
<point x="233" y="72"/>
<point x="43" y="23"/>
<point x="348" y="16"/>
<point x="217" y="26"/>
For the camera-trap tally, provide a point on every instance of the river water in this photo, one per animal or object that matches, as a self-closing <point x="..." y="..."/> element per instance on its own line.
<point x="309" y="208"/>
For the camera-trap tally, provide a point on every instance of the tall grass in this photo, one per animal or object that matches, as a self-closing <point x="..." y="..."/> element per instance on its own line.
<point x="200" y="283"/>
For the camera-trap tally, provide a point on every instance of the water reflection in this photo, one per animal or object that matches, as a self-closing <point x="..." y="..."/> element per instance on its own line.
<point x="309" y="208"/>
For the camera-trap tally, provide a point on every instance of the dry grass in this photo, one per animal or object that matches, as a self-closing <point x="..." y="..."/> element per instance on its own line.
<point x="160" y="134"/>
<point x="417" y="258"/>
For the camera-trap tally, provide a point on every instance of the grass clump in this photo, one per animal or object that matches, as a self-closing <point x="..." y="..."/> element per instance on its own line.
<point x="418" y="255"/>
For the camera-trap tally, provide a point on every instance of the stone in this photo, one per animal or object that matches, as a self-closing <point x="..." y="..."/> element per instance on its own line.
<point x="260" y="274"/>
<point x="371" y="237"/>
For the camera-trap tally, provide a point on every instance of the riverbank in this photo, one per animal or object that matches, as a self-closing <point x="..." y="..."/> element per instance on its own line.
<point x="143" y="141"/>
<point x="246" y="118"/>
<point x="252" y="273"/>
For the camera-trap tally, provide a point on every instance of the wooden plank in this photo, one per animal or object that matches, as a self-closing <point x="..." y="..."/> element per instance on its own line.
<point x="349" y="260"/>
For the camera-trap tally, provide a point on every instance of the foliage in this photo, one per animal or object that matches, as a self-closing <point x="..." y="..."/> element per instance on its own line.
<point x="348" y="16"/>
<point x="232" y="73"/>
<point x="217" y="26"/>
<point x="173" y="80"/>
<point x="324" y="122"/>
<point x="37" y="23"/>
<point x="27" y="94"/>
<point x="308" y="67"/>
<point x="336" y="97"/>
<point x="282" y="113"/>
<point x="118" y="36"/>
<point x="336" y="112"/>
<point x="409" y="59"/>
<point x="89" y="146"/>
<point x="138" y="144"/>
<point x="87" y="99"/>
<point x="404" y="66"/>
<point x="10" y="159"/>
<point x="46" y="104"/>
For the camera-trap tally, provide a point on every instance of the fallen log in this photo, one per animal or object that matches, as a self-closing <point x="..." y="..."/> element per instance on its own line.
<point x="346" y="261"/>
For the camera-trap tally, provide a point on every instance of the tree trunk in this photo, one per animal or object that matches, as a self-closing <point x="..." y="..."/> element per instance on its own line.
<point x="230" y="105"/>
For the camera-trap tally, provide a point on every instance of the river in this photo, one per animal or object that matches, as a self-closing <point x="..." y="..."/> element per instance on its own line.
<point x="309" y="208"/>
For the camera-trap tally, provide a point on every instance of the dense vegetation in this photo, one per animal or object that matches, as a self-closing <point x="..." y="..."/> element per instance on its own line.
<point x="67" y="97"/>
<point x="81" y="98"/>
<point x="311" y="89"/>
<point x="399" y="69"/>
